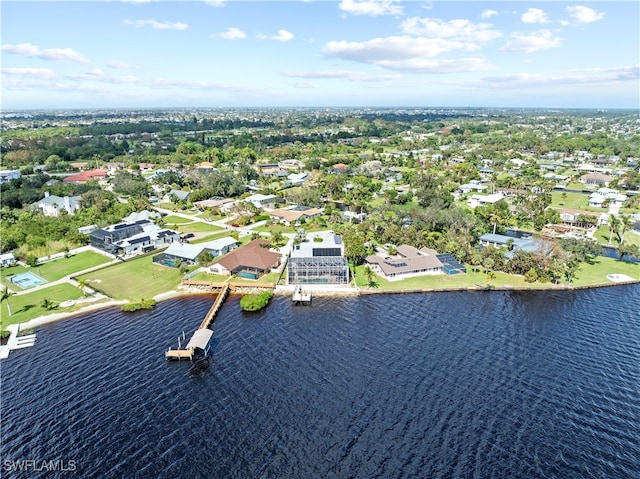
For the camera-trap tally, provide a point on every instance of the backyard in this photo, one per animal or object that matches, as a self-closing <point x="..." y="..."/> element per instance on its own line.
<point x="135" y="279"/>
<point x="29" y="306"/>
<point x="57" y="269"/>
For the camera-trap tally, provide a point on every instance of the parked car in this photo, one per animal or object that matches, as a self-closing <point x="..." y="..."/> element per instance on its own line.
<point x="188" y="235"/>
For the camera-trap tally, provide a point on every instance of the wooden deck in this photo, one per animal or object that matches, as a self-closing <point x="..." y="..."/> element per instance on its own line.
<point x="190" y="351"/>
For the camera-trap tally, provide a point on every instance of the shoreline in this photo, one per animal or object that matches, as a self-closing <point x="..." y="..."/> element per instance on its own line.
<point x="172" y="294"/>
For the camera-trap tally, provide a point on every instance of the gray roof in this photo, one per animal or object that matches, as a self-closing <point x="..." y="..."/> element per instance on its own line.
<point x="200" y="339"/>
<point x="411" y="260"/>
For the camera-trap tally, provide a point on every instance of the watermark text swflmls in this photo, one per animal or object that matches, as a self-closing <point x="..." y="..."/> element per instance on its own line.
<point x="34" y="465"/>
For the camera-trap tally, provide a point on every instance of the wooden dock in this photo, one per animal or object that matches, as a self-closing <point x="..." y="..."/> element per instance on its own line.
<point x="203" y="334"/>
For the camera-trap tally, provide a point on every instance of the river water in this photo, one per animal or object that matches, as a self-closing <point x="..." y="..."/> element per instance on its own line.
<point x="436" y="385"/>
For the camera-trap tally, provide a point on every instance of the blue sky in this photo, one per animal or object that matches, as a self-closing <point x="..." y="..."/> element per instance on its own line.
<point x="108" y="54"/>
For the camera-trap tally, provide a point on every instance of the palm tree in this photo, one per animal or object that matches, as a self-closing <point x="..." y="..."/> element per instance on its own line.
<point x="371" y="276"/>
<point x="4" y="295"/>
<point x="47" y="304"/>
<point x="614" y="224"/>
<point x="82" y="284"/>
<point x="625" y="223"/>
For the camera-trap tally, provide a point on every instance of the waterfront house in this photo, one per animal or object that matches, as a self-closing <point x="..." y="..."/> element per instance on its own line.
<point x="188" y="253"/>
<point x="131" y="237"/>
<point x="596" y="179"/>
<point x="606" y="196"/>
<point x="408" y="263"/>
<point x="319" y="260"/>
<point x="249" y="261"/>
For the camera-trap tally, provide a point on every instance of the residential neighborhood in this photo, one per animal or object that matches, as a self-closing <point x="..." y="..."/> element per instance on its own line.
<point x="362" y="201"/>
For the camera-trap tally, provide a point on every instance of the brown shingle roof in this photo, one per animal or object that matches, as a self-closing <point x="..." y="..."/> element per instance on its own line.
<point x="252" y="255"/>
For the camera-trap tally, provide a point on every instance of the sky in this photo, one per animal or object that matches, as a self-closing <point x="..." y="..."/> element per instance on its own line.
<point x="322" y="53"/>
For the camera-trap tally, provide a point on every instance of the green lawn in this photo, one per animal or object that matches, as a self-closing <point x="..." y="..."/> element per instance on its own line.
<point x="469" y="280"/>
<point x="632" y="238"/>
<point x="587" y="275"/>
<point x="59" y="268"/>
<point x="597" y="273"/>
<point x="198" y="227"/>
<point x="573" y="201"/>
<point x="27" y="306"/>
<point x="134" y="279"/>
<point x="171" y="219"/>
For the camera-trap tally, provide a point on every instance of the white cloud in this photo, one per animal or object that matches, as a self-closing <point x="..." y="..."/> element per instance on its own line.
<point x="407" y="54"/>
<point x="540" y="40"/>
<point x="389" y="48"/>
<point x="584" y="14"/>
<point x="488" y="14"/>
<point x="421" y="65"/>
<point x="459" y="29"/>
<point x="282" y="36"/>
<point x="535" y="15"/>
<point x="571" y="78"/>
<point x="305" y="84"/>
<point x="37" y="73"/>
<point x="156" y="25"/>
<point x="118" y="65"/>
<point x="351" y="75"/>
<point x="55" y="54"/>
<point x="370" y="7"/>
<point x="232" y="33"/>
<point x="215" y="3"/>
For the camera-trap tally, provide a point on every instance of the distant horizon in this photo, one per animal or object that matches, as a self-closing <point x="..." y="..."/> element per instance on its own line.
<point x="137" y="54"/>
<point x="294" y="107"/>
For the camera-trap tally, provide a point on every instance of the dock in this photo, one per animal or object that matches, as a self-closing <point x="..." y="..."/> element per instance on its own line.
<point x="300" y="296"/>
<point x="16" y="342"/>
<point x="202" y="335"/>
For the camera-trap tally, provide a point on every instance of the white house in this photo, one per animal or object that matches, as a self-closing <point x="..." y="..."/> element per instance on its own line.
<point x="481" y="200"/>
<point x="8" y="175"/>
<point x="260" y="200"/>
<point x="52" y="205"/>
<point x="600" y="198"/>
<point x="7" y="259"/>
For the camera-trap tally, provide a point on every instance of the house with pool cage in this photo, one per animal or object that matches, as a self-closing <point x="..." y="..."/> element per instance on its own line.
<point x="318" y="261"/>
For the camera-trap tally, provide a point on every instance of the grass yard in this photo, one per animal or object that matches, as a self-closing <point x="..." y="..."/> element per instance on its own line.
<point x="573" y="201"/>
<point x="27" y="306"/>
<point x="175" y="220"/>
<point x="59" y="268"/>
<point x="198" y="227"/>
<point x="469" y="280"/>
<point x="603" y="234"/>
<point x="134" y="280"/>
<point x="596" y="273"/>
<point x="632" y="238"/>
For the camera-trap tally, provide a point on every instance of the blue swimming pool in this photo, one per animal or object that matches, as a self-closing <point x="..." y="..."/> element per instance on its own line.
<point x="27" y="280"/>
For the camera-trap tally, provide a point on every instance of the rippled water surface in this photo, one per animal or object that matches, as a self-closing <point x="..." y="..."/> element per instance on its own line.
<point x="442" y="385"/>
